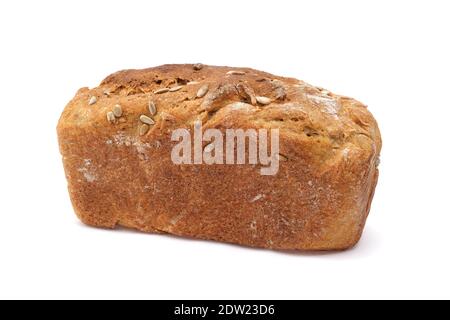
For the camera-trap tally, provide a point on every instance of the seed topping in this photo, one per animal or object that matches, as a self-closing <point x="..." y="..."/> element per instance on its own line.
<point x="147" y="120"/>
<point x="143" y="129"/>
<point x="175" y="88"/>
<point x="117" y="111"/>
<point x="163" y="90"/>
<point x="263" y="100"/>
<point x="152" y="108"/>
<point x="92" y="100"/>
<point x="110" y="117"/>
<point x="202" y="91"/>
<point x="198" y="66"/>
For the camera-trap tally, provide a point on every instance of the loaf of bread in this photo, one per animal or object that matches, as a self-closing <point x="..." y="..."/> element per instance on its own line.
<point x="120" y="143"/>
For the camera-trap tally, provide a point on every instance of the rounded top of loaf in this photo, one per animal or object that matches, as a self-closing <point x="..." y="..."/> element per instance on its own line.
<point x="308" y="117"/>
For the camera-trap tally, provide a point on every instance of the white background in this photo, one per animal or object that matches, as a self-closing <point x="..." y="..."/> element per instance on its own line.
<point x="392" y="55"/>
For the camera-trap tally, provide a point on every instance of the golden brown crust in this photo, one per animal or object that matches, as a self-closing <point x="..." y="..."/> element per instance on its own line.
<point x="319" y="200"/>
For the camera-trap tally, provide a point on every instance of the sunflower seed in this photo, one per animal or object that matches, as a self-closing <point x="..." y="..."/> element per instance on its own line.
<point x="236" y="73"/>
<point x="198" y="66"/>
<point x="92" y="100"/>
<point x="117" y="110"/>
<point x="143" y="129"/>
<point x="263" y="100"/>
<point x="163" y="90"/>
<point x="175" y="88"/>
<point x="202" y="91"/>
<point x="152" y="108"/>
<point x="110" y="116"/>
<point x="377" y="162"/>
<point x="146" y="120"/>
<point x="280" y="91"/>
<point x="282" y="158"/>
<point x="209" y="148"/>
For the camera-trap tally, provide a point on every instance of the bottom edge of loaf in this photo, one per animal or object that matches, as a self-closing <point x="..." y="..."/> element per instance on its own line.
<point x="299" y="248"/>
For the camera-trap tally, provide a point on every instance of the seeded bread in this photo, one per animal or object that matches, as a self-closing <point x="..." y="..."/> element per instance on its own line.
<point x="116" y="146"/>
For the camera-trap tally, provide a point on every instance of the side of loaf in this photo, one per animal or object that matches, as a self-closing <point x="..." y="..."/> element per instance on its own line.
<point x="116" y="141"/>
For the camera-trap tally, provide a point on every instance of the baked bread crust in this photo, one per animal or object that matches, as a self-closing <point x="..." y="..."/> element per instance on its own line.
<point x="120" y="175"/>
